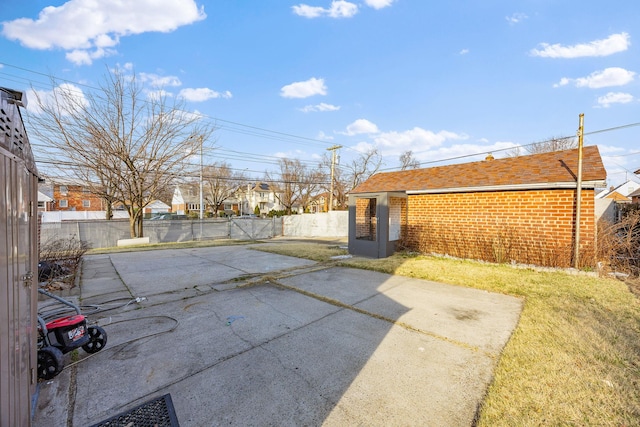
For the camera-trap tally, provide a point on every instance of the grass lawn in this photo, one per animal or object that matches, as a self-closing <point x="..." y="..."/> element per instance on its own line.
<point x="574" y="358"/>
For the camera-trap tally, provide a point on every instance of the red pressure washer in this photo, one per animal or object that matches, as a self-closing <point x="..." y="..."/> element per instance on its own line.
<point x="60" y="336"/>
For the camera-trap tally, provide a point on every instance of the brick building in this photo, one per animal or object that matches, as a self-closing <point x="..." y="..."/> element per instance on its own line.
<point x="70" y="196"/>
<point x="520" y="209"/>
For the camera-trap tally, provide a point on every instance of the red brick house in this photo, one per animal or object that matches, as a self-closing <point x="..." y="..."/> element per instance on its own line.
<point x="520" y="209"/>
<point x="70" y="196"/>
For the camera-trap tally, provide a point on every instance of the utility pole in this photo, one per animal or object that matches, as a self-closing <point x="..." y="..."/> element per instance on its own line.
<point x="576" y="254"/>
<point x="201" y="201"/>
<point x="333" y="165"/>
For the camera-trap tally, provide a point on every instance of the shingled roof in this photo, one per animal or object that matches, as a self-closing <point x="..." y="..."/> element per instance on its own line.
<point x="547" y="170"/>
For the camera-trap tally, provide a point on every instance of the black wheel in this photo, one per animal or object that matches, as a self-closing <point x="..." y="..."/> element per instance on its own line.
<point x="50" y="362"/>
<point x="97" y="339"/>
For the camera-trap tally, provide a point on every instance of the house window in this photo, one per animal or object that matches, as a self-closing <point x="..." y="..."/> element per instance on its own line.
<point x="86" y="203"/>
<point x="63" y="190"/>
<point x="41" y="205"/>
<point x="63" y="203"/>
<point x="86" y="190"/>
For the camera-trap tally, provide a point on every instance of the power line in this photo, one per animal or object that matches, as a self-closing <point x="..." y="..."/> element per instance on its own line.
<point x="612" y="129"/>
<point x="233" y="126"/>
<point x="259" y="132"/>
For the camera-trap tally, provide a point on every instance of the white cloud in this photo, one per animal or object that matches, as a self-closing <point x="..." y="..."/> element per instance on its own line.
<point x="308" y="11"/>
<point x="613" y="76"/>
<point x="304" y="89"/>
<point x="359" y="127"/>
<point x="158" y="94"/>
<point x="516" y="18"/>
<point x="98" y="25"/>
<point x="338" y="9"/>
<point x="426" y="145"/>
<point x="458" y="150"/>
<point x="159" y="81"/>
<point x="416" y="139"/>
<point x="324" y="137"/>
<point x="85" y="57"/>
<point x="614" y="98"/>
<point x="319" y="108"/>
<point x="63" y="93"/>
<point x="378" y="4"/>
<point x="202" y="94"/>
<point x="291" y="154"/>
<point x="563" y="82"/>
<point x="464" y="51"/>
<point x="613" y="44"/>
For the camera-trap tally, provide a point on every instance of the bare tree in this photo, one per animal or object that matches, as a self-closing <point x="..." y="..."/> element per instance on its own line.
<point x="220" y="183"/>
<point x="407" y="161"/>
<point x="361" y="168"/>
<point x="339" y="182"/>
<point x="124" y="145"/>
<point x="312" y="181"/>
<point x="349" y="176"/>
<point x="556" y="143"/>
<point x="287" y="188"/>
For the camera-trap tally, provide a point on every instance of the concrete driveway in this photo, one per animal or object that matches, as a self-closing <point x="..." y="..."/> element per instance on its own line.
<point x="242" y="337"/>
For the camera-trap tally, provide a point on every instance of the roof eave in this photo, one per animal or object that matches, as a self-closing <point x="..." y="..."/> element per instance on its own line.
<point x="512" y="187"/>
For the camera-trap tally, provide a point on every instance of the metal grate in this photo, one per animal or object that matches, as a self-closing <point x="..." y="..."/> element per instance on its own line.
<point x="158" y="412"/>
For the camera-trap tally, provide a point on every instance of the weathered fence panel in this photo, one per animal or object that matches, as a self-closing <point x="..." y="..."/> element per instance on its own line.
<point x="18" y="265"/>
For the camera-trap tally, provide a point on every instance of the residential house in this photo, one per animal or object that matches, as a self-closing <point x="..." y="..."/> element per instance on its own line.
<point x="610" y="203"/>
<point x="319" y="203"/>
<point x="45" y="201"/>
<point x="520" y="209"/>
<point x="260" y="194"/>
<point x="624" y="189"/>
<point x="157" y="207"/>
<point x="186" y="200"/>
<point x="73" y="196"/>
<point x="63" y="200"/>
<point x="635" y="196"/>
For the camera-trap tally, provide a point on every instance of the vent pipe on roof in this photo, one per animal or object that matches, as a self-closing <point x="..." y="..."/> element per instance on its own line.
<point x="489" y="157"/>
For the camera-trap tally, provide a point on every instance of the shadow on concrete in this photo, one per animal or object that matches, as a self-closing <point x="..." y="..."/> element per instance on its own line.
<point x="308" y="345"/>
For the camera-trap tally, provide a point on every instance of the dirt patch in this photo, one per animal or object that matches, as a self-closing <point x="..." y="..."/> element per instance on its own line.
<point x="634" y="286"/>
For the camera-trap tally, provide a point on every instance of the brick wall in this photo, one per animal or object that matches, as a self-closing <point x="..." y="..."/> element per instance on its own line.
<point x="366" y="226"/>
<point x="75" y="196"/>
<point x="533" y="227"/>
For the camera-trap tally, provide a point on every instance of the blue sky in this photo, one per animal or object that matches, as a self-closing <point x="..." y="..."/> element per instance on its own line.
<point x="292" y="78"/>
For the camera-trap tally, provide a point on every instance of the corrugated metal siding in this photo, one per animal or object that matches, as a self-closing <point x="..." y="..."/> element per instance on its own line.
<point x="18" y="260"/>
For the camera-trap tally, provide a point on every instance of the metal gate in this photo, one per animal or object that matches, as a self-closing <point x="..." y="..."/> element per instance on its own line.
<point x="18" y="265"/>
<point x="254" y="228"/>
